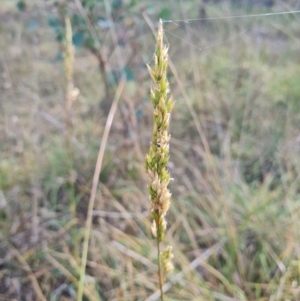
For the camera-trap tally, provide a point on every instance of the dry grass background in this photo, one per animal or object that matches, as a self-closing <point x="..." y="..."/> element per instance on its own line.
<point x="234" y="220"/>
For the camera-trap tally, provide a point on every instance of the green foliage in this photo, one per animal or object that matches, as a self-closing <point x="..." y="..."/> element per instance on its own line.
<point x="89" y="4"/>
<point x="78" y="21"/>
<point x="165" y="13"/>
<point x="129" y="73"/>
<point x="8" y="174"/>
<point x="133" y="3"/>
<point x="21" y="5"/>
<point x="54" y="22"/>
<point x="284" y="87"/>
<point x="117" y="4"/>
<point x="78" y="39"/>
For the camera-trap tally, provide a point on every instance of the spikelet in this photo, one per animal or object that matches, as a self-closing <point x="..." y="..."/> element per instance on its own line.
<point x="166" y="261"/>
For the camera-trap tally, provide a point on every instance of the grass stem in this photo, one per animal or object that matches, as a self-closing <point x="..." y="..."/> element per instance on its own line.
<point x="160" y="280"/>
<point x="98" y="168"/>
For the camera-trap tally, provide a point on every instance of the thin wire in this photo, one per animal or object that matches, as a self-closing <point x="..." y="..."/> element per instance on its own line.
<point x="231" y="17"/>
<point x="216" y="44"/>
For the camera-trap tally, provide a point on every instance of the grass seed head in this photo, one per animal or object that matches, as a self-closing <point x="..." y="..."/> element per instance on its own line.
<point x="157" y="159"/>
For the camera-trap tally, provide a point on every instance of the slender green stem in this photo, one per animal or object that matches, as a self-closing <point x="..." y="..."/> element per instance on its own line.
<point x="160" y="280"/>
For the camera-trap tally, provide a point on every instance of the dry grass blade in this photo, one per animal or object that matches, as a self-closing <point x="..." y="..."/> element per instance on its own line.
<point x="95" y="185"/>
<point x="120" y="215"/>
<point x="133" y="254"/>
<point x="71" y="277"/>
<point x="31" y="276"/>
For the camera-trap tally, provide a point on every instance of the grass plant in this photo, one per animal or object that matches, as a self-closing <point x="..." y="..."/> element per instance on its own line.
<point x="234" y="157"/>
<point x="158" y="157"/>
